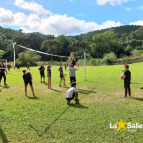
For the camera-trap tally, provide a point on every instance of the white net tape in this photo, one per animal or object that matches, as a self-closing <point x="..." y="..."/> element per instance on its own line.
<point x="44" y="52"/>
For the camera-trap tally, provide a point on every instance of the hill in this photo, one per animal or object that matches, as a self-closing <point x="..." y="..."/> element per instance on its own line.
<point x="118" y="30"/>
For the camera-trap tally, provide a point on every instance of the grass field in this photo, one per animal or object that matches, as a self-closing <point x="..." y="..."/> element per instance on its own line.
<point x="47" y="118"/>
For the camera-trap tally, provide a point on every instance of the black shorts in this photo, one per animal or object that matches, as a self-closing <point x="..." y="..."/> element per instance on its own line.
<point x="42" y="75"/>
<point x="30" y="83"/>
<point x="73" y="96"/>
<point x="2" y="75"/>
<point x="72" y="79"/>
<point x="61" y="76"/>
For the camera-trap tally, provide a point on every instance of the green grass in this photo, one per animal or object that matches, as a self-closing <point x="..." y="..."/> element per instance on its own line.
<point x="48" y="118"/>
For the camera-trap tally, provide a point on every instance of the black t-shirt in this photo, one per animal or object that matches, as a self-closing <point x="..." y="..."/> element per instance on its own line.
<point x="61" y="71"/>
<point x="2" y="69"/>
<point x="127" y="74"/>
<point x="18" y="66"/>
<point x="27" y="76"/>
<point x="41" y="70"/>
<point x="73" y="62"/>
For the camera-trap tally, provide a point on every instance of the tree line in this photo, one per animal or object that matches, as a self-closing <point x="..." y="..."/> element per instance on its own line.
<point x="121" y="41"/>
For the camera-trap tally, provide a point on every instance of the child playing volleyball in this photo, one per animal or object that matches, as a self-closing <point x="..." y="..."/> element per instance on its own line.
<point x="72" y="94"/>
<point x="49" y="76"/>
<point x="62" y="76"/>
<point x="127" y="80"/>
<point x="74" y="60"/>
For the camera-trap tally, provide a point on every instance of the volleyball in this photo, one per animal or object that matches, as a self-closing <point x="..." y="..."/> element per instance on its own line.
<point x="121" y="76"/>
<point x="123" y="70"/>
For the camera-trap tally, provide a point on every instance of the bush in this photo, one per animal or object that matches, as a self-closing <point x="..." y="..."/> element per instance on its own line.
<point x="28" y="57"/>
<point x="110" y="57"/>
<point x="97" y="62"/>
<point x="139" y="48"/>
<point x="126" y="59"/>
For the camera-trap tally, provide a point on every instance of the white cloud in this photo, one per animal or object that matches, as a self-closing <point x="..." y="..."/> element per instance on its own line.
<point x="139" y="22"/>
<point x="32" y="7"/>
<point x="112" y="2"/>
<point x="128" y="8"/>
<point x="6" y="16"/>
<point x="140" y="7"/>
<point x="81" y="14"/>
<point x="54" y="24"/>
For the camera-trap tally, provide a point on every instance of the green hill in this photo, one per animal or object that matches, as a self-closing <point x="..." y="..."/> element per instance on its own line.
<point x="118" y="30"/>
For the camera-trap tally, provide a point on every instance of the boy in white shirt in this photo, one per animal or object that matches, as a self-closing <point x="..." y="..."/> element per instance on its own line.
<point x="72" y="73"/>
<point x="72" y="94"/>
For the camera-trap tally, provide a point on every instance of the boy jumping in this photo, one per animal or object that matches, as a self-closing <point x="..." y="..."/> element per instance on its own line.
<point x="72" y="94"/>
<point x="74" y="60"/>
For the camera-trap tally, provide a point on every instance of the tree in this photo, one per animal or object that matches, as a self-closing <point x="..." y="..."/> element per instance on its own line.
<point x="1" y="53"/>
<point x="28" y="57"/>
<point x="124" y="37"/>
<point x="50" y="45"/>
<point x="63" y="46"/>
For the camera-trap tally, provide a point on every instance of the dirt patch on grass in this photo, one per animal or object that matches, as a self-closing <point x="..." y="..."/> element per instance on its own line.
<point x="117" y="93"/>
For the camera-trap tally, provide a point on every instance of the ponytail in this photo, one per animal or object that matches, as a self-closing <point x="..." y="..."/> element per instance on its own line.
<point x="59" y="69"/>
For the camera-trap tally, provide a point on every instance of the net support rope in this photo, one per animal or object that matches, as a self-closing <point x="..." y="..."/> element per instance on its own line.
<point x="45" y="53"/>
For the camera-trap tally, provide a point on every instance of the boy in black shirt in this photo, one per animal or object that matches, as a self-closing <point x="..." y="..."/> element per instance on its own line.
<point x="74" y="60"/>
<point x="42" y="69"/>
<point x="127" y="81"/>
<point x="27" y="77"/>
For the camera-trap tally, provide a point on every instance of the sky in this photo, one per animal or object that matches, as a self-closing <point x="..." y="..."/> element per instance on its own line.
<point x="69" y="17"/>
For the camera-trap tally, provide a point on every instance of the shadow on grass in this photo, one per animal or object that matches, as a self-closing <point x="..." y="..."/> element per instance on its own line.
<point x="136" y="98"/>
<point x="34" y="97"/>
<point x="78" y="106"/>
<point x="135" y="83"/>
<point x="57" y="118"/>
<point x="5" y="87"/>
<point x="57" y="90"/>
<point x="48" y="127"/>
<point x="3" y="136"/>
<point x="82" y="91"/>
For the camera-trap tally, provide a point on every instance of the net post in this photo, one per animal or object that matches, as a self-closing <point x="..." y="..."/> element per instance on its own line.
<point x="6" y="64"/>
<point x="14" y="52"/>
<point x="85" y="65"/>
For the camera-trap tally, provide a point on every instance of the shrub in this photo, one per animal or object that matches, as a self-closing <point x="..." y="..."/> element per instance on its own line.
<point x="110" y="57"/>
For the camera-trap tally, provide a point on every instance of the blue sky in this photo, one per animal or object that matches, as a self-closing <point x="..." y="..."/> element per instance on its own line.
<point x="69" y="17"/>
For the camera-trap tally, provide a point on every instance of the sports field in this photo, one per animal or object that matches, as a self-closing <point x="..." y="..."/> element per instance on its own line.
<point x="47" y="118"/>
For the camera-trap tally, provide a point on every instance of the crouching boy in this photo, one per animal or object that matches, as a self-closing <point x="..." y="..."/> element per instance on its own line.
<point x="72" y="94"/>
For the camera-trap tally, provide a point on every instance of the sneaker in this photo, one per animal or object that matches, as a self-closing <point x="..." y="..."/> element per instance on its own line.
<point x="77" y="103"/>
<point x="141" y="88"/>
<point x="33" y="94"/>
<point x="25" y="94"/>
<point x="50" y="88"/>
<point x="41" y="82"/>
<point x="68" y="103"/>
<point x="5" y="84"/>
<point x="124" y="96"/>
<point x="60" y="86"/>
<point x="64" y="85"/>
<point x="44" y="82"/>
<point x="129" y="95"/>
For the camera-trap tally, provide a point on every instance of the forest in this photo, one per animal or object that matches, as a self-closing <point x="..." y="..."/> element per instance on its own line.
<point x="117" y="42"/>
